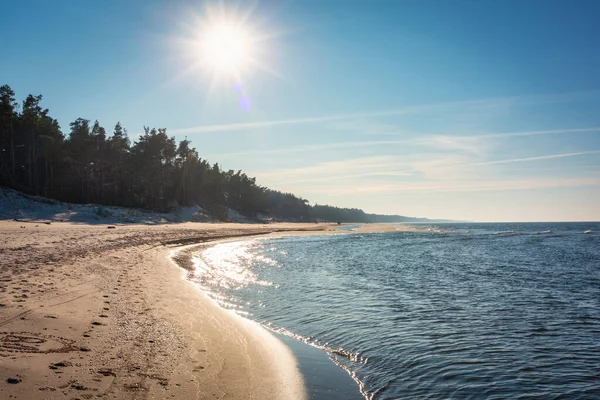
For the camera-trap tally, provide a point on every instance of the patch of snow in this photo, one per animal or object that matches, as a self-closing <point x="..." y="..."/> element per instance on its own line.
<point x="235" y="216"/>
<point x="16" y="205"/>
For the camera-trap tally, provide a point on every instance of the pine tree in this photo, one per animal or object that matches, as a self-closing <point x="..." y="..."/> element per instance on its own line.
<point x="7" y="139"/>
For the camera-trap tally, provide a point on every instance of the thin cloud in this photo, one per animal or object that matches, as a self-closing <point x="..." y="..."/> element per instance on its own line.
<point x="316" y="147"/>
<point x="469" y="144"/>
<point x="343" y="166"/>
<point x="403" y="169"/>
<point x="436" y="187"/>
<point x="534" y="133"/>
<point x="526" y="159"/>
<point x="433" y="140"/>
<point x="307" y="120"/>
<point x="515" y="100"/>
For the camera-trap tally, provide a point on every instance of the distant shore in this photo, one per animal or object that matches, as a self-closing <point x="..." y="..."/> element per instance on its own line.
<point x="87" y="310"/>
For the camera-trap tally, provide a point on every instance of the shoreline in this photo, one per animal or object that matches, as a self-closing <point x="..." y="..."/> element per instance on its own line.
<point x="90" y="311"/>
<point x="323" y="379"/>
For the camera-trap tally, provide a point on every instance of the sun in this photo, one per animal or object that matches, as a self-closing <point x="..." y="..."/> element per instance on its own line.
<point x="225" y="48"/>
<point x="223" y="43"/>
<point x="222" y="47"/>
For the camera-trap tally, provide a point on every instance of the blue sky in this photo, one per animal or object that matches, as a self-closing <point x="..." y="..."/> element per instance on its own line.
<point x="475" y="110"/>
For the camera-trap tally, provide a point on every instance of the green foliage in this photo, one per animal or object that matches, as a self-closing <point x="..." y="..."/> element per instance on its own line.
<point x="154" y="172"/>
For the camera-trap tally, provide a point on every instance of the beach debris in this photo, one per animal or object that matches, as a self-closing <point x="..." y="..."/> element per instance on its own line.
<point x="14" y="381"/>
<point x="111" y="227"/>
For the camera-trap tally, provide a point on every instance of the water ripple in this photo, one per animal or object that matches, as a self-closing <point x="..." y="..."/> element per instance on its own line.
<point x="466" y="311"/>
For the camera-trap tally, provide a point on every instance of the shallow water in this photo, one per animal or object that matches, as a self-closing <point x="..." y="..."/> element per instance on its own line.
<point x="482" y="311"/>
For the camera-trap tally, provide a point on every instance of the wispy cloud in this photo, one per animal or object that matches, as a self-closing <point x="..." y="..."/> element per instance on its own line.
<point x="391" y="166"/>
<point x="455" y="186"/>
<point x="535" y="133"/>
<point x="448" y="106"/>
<point x="472" y="143"/>
<point x="469" y="144"/>
<point x="364" y="126"/>
<point x="316" y="147"/>
<point x="350" y="166"/>
<point x="527" y="159"/>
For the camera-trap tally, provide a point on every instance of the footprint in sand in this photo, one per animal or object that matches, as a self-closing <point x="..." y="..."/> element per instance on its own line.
<point x="29" y="342"/>
<point x="61" y="364"/>
<point x="106" y="372"/>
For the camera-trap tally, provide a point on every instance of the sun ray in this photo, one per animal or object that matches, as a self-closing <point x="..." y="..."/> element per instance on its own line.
<point x="224" y="40"/>
<point x="223" y="47"/>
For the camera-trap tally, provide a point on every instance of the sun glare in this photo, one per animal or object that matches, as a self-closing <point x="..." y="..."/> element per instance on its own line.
<point x="225" y="48"/>
<point x="224" y="43"/>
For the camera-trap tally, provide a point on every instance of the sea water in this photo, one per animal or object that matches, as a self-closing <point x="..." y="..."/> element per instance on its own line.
<point x="463" y="311"/>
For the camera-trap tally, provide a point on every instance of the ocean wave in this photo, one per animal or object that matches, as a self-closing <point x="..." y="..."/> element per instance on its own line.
<point x="423" y="229"/>
<point x="335" y="354"/>
<point x="506" y="233"/>
<point x="338" y="351"/>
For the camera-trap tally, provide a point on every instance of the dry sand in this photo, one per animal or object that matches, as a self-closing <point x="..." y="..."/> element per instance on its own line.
<point x="90" y="312"/>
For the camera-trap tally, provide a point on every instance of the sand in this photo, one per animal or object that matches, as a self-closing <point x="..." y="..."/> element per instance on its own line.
<point x="377" y="228"/>
<point x="91" y="312"/>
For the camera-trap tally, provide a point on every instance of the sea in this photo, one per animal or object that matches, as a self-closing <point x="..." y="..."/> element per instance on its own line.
<point x="428" y="311"/>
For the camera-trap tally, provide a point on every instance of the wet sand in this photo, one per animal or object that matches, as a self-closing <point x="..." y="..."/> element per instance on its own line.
<point x="91" y="312"/>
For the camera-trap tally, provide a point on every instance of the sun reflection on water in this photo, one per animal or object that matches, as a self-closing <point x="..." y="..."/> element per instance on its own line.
<point x="229" y="265"/>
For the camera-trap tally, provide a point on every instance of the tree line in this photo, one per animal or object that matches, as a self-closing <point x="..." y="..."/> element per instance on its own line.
<point x="91" y="165"/>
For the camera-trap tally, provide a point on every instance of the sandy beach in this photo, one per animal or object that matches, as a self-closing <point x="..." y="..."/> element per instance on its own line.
<point x="97" y="312"/>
